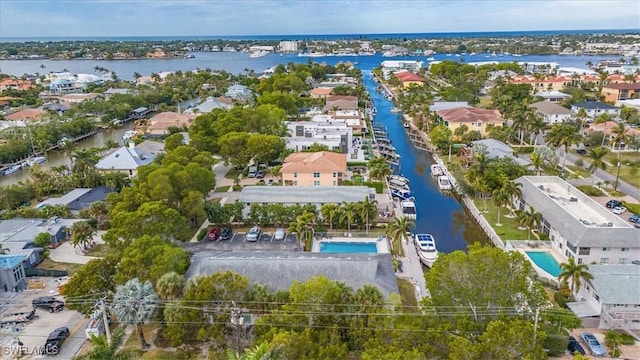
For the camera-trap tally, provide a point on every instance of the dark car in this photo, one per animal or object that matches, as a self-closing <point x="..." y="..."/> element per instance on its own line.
<point x="260" y="174"/>
<point x="581" y="151"/>
<point x="225" y="234"/>
<point x="613" y="203"/>
<point x="55" y="340"/>
<point x="574" y="346"/>
<point x="48" y="303"/>
<point x="635" y="218"/>
<point x="213" y="234"/>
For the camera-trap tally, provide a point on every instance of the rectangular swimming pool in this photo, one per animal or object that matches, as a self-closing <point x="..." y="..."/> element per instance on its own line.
<point x="348" y="247"/>
<point x="545" y="261"/>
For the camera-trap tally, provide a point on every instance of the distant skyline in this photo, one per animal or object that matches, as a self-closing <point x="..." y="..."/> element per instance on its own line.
<point x="105" y="18"/>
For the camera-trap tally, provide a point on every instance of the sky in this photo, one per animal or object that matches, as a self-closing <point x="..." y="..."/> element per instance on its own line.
<point x="92" y="18"/>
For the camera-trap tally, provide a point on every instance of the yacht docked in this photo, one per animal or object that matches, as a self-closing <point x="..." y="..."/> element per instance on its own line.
<point x="436" y="170"/>
<point x="426" y="248"/>
<point x="129" y="134"/>
<point x="36" y="160"/>
<point x="397" y="185"/>
<point x="401" y="194"/>
<point x="395" y="110"/>
<point x="12" y="170"/>
<point x="409" y="209"/>
<point x="399" y="178"/>
<point x="444" y="183"/>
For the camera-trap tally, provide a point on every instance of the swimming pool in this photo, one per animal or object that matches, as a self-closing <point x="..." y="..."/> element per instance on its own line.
<point x="348" y="247"/>
<point x="545" y="261"/>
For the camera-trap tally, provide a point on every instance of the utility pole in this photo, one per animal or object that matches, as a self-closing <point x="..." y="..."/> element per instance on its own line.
<point x="236" y="320"/>
<point x="535" y="325"/>
<point x="615" y="187"/>
<point x="105" y="319"/>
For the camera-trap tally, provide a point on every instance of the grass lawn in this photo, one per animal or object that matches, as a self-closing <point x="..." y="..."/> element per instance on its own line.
<point x="232" y="174"/>
<point x="578" y="170"/>
<point x="158" y="354"/>
<point x="49" y="264"/>
<point x="222" y="189"/>
<point x="629" y="169"/>
<point x="509" y="229"/>
<point x="396" y="247"/>
<point x="100" y="250"/>
<point x="407" y="292"/>
<point x="134" y="341"/>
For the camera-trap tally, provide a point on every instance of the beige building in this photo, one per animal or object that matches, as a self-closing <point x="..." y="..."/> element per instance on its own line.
<point x="476" y="119"/>
<point x="321" y="168"/>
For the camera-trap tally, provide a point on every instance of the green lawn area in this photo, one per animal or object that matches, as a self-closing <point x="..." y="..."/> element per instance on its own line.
<point x="158" y="354"/>
<point x="629" y="169"/>
<point x="407" y="292"/>
<point x="232" y="174"/>
<point x="100" y="250"/>
<point x="222" y="189"/>
<point x="580" y="171"/>
<point x="396" y="247"/>
<point x="134" y="341"/>
<point x="49" y="264"/>
<point x="509" y="229"/>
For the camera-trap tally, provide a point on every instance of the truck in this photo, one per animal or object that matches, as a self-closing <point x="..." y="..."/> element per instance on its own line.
<point x="18" y="317"/>
<point x="96" y="326"/>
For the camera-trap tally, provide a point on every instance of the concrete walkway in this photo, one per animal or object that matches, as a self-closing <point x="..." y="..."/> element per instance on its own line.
<point x="66" y="253"/>
<point x="411" y="266"/>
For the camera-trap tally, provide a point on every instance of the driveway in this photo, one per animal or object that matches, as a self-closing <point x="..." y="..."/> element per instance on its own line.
<point x="67" y="253"/>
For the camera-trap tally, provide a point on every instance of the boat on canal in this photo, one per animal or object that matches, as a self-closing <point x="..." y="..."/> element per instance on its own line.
<point x="129" y="134"/>
<point x="426" y="248"/>
<point x="36" y="160"/>
<point x="399" y="178"/>
<point x="12" y="169"/>
<point x="397" y="184"/>
<point x="401" y="194"/>
<point x="436" y="170"/>
<point x="409" y="209"/>
<point x="443" y="183"/>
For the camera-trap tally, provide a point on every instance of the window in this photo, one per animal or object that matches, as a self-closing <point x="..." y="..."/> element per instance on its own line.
<point x="604" y="260"/>
<point x="17" y="273"/>
<point x="295" y="174"/>
<point x="295" y="183"/>
<point x="335" y="174"/>
<point x="622" y="261"/>
<point x="584" y="251"/>
<point x="595" y="296"/>
<point x="624" y="249"/>
<point x="606" y="249"/>
<point x="579" y="260"/>
<point x="334" y="183"/>
<point x="316" y="174"/>
<point x="316" y="183"/>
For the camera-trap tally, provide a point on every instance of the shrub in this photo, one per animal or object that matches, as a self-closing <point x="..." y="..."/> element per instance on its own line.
<point x="626" y="339"/>
<point x="634" y="208"/>
<point x="202" y="234"/>
<point x="555" y="343"/>
<point x="590" y="190"/>
<point x="525" y="149"/>
<point x="561" y="298"/>
<point x="579" y="163"/>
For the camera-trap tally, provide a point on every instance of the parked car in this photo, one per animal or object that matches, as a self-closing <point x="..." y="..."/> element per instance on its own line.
<point x="613" y="203"/>
<point x="635" y="218"/>
<point x="48" y="303"/>
<point x="55" y="340"/>
<point x="619" y="210"/>
<point x="260" y="174"/>
<point x="280" y="234"/>
<point x="253" y="170"/>
<point x="254" y="234"/>
<point x="270" y="182"/>
<point x="581" y="151"/>
<point x="213" y="234"/>
<point x="574" y="346"/>
<point x="225" y="234"/>
<point x="593" y="344"/>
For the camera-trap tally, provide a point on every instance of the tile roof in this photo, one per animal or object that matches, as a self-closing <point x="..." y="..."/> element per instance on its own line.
<point x="279" y="269"/>
<point x="125" y="158"/>
<point x="26" y="114"/>
<point x="623" y="86"/>
<point x="595" y="105"/>
<point x="464" y="114"/>
<point x="547" y="107"/>
<point x="321" y="91"/>
<point x="322" y="161"/>
<point x="169" y="119"/>
<point x="407" y="76"/>
<point x="341" y="104"/>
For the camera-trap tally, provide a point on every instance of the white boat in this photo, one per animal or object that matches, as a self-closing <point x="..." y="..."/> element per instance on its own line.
<point x="426" y="248"/>
<point x="399" y="186"/>
<point x="398" y="183"/>
<point x="401" y="194"/>
<point x="406" y="125"/>
<point x="129" y="134"/>
<point x="12" y="170"/>
<point x="259" y="54"/>
<point x="409" y="209"/>
<point x="399" y="178"/>
<point x="436" y="170"/>
<point x="36" y="160"/>
<point x="431" y="58"/>
<point x="444" y="183"/>
<point x="396" y="110"/>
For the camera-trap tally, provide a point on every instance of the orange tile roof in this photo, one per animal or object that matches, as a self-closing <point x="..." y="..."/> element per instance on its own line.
<point x="464" y="114"/>
<point x="406" y="76"/>
<point x="168" y="119"/>
<point x="343" y="97"/>
<point x="321" y="91"/>
<point x="623" y="86"/>
<point x="608" y="126"/>
<point x="322" y="161"/>
<point x="26" y="114"/>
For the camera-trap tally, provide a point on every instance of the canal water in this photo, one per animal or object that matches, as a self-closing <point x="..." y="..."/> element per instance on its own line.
<point x="439" y="214"/>
<point x="58" y="157"/>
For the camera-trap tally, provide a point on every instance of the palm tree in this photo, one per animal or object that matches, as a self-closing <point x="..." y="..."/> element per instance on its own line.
<point x="500" y="199"/>
<point x="380" y="171"/>
<point x="68" y="146"/>
<point x="102" y="350"/>
<point x="574" y="272"/>
<point x="263" y="351"/>
<point x="134" y="304"/>
<point x="328" y="211"/>
<point x="613" y="340"/>
<point x="513" y="190"/>
<point x="170" y="285"/>
<point x="620" y="137"/>
<point x="349" y="211"/>
<point x="597" y="155"/>
<point x="603" y="119"/>
<point x="399" y="228"/>
<point x="537" y="161"/>
<point x="535" y="126"/>
<point x="562" y="135"/>
<point x="84" y="160"/>
<point x="368" y="210"/>
<point x="530" y="219"/>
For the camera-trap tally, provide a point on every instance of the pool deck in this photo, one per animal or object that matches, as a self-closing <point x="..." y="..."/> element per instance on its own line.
<point x="381" y="243"/>
<point x="536" y="246"/>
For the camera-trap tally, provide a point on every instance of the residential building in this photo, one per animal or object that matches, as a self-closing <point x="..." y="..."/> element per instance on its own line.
<point x="114" y="91"/>
<point x="577" y="225"/>
<point x="596" y="108"/>
<point x="292" y="195"/>
<point x="607" y="129"/>
<point x="78" y="98"/>
<point x="210" y="104"/>
<point x="611" y="299"/>
<point x="493" y="149"/>
<point x="408" y="78"/>
<point x="320" y="92"/>
<point x="12" y="277"/>
<point x="160" y="124"/>
<point x="552" y="113"/>
<point x="27" y="115"/>
<point x="474" y="118"/>
<point x="552" y="96"/>
<point x="288" y="46"/>
<point x="442" y="105"/>
<point x="337" y="136"/>
<point x="323" y="168"/>
<point x="15" y="84"/>
<point x="126" y="159"/>
<point x="634" y="103"/>
<point x="341" y="102"/>
<point x="548" y="83"/>
<point x="353" y="119"/>
<point x="498" y="74"/>
<point x="621" y="91"/>
<point x="395" y="65"/>
<point x="78" y="199"/>
<point x="278" y="270"/>
<point x="238" y="92"/>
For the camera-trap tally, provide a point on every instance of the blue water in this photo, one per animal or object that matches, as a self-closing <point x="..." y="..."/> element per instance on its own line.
<point x="545" y="261"/>
<point x="348" y="247"/>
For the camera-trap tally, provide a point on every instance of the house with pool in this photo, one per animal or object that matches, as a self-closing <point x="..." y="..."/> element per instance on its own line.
<point x="577" y="226"/>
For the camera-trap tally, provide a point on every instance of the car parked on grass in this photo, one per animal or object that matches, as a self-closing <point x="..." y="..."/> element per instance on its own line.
<point x="613" y="203"/>
<point x="55" y="340"/>
<point x="213" y="234"/>
<point x="619" y="210"/>
<point x="635" y="218"/>
<point x="593" y="344"/>
<point x="280" y="234"/>
<point x="574" y="346"/>
<point x="254" y="233"/>
<point x="225" y="234"/>
<point x="48" y="303"/>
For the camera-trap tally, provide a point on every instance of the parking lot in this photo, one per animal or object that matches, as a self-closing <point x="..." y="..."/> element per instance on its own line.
<point x="238" y="242"/>
<point x="33" y="334"/>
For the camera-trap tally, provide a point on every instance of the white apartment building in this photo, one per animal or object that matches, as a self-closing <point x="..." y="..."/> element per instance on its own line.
<point x="577" y="225"/>
<point x="288" y="46"/>
<point x="336" y="135"/>
<point x="552" y="113"/>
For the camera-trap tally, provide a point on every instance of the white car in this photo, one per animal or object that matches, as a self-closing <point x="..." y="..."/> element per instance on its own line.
<point x="619" y="210"/>
<point x="279" y="234"/>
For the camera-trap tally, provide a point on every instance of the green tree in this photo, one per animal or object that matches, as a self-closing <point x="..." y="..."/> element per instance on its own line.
<point x="598" y="156"/>
<point x="530" y="219"/>
<point x="173" y="141"/>
<point x="103" y="350"/>
<point x="348" y="214"/>
<point x="149" y="258"/>
<point x="169" y="286"/>
<point x="42" y="240"/>
<point x="234" y="148"/>
<point x="262" y="351"/>
<point x="512" y="340"/>
<point x="90" y="283"/>
<point x="368" y="211"/>
<point x="134" y="304"/>
<point x="500" y="198"/>
<point x="613" y="340"/>
<point x="399" y="228"/>
<point x="82" y="233"/>
<point x="329" y="212"/>
<point x="563" y="135"/>
<point x="573" y="273"/>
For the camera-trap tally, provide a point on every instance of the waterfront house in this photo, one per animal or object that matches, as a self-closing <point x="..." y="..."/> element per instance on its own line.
<point x="78" y="199"/>
<point x="160" y="124"/>
<point x="337" y="136"/>
<point x="577" y="226"/>
<point x="621" y="91"/>
<point x="493" y="149"/>
<point x="210" y="104"/>
<point x="596" y="108"/>
<point x="607" y="129"/>
<point x="476" y="119"/>
<point x="552" y="96"/>
<point x="238" y="92"/>
<point x="114" y="91"/>
<point x="27" y="115"/>
<point x="15" y="84"/>
<point x="301" y="195"/>
<point x="320" y="92"/>
<point x="126" y="159"/>
<point x="500" y="74"/>
<point x="352" y="118"/>
<point x="78" y="98"/>
<point x="321" y="168"/>
<point x="552" y="113"/>
<point x="537" y="83"/>
<point x="395" y="65"/>
<point x="12" y="277"/>
<point x="341" y="102"/>
<point x="611" y="299"/>
<point x="408" y="78"/>
<point x="441" y="105"/>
